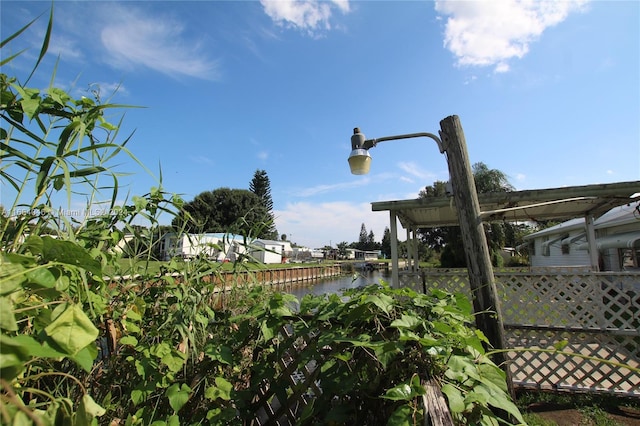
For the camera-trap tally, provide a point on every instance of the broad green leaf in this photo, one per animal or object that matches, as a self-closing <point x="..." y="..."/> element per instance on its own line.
<point x="128" y="340"/>
<point x="402" y="416"/>
<point x="142" y="392"/>
<point x="402" y="392"/>
<point x="72" y="330"/>
<point x="387" y="352"/>
<point x="88" y="409"/>
<point x="133" y="315"/>
<point x="41" y="276"/>
<point x="454" y="396"/>
<point x="12" y="276"/>
<point x="33" y="244"/>
<point x="12" y="357"/>
<point x="382" y="301"/>
<point x="7" y="317"/>
<point x="36" y="349"/>
<point x="464" y="304"/>
<point x="55" y="250"/>
<point x="222" y="390"/>
<point x="499" y="399"/>
<point x="30" y="101"/>
<point x="85" y="357"/>
<point x="221" y="354"/>
<point x="267" y="332"/>
<point x="174" y="360"/>
<point x="178" y="395"/>
<point x="407" y="321"/>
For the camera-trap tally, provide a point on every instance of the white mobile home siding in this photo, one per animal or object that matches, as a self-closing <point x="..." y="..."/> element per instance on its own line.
<point x="267" y="251"/>
<point x="549" y="252"/>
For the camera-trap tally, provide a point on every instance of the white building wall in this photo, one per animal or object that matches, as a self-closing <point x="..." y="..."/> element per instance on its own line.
<point x="267" y="252"/>
<point x="550" y="254"/>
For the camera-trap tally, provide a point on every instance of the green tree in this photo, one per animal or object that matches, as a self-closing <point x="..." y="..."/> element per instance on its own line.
<point x="261" y="186"/>
<point x="385" y="245"/>
<point x="363" y="238"/>
<point x="342" y="249"/>
<point x="223" y="210"/>
<point x="448" y="239"/>
<point x="371" y="241"/>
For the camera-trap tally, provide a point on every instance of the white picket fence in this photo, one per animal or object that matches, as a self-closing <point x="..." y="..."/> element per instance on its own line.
<point x="595" y="316"/>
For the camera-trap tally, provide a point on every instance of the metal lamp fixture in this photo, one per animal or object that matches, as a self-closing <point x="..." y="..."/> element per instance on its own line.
<point x="360" y="159"/>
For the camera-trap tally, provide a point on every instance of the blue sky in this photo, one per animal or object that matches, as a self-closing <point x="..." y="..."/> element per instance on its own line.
<point x="547" y="92"/>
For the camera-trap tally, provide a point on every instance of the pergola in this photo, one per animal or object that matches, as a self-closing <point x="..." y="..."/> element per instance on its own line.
<point x="588" y="201"/>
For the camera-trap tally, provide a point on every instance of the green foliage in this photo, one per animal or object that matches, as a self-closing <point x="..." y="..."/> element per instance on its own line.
<point x="261" y="186"/>
<point x="448" y="239"/>
<point x="373" y="349"/>
<point x="221" y="210"/>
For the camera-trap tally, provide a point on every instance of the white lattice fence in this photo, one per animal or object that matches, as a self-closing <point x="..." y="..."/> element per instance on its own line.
<point x="596" y="314"/>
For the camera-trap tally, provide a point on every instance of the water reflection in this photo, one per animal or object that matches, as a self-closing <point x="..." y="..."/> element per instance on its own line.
<point x="336" y="285"/>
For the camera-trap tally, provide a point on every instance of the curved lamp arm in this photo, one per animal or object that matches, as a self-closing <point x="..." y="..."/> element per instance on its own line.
<point x="360" y="160"/>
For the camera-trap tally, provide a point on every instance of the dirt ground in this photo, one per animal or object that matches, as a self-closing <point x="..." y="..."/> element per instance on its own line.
<point x="572" y="417"/>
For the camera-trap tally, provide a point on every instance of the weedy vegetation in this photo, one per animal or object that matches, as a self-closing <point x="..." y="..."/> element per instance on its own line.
<point x="80" y="348"/>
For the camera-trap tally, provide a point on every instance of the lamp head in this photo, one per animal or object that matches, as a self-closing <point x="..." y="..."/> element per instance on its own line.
<point x="359" y="159"/>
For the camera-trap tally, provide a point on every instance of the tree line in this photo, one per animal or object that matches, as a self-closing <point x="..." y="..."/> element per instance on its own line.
<point x="250" y="212"/>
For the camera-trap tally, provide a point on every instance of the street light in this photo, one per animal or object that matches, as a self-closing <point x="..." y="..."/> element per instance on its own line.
<point x="360" y="160"/>
<point x="481" y="279"/>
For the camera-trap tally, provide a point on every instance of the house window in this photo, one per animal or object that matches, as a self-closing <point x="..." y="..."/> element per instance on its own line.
<point x="565" y="249"/>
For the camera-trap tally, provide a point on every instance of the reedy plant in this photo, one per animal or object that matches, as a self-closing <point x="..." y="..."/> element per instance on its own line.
<point x="54" y="299"/>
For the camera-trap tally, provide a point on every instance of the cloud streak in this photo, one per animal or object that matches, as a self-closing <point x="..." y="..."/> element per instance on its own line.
<point x="132" y="39"/>
<point x="489" y="33"/>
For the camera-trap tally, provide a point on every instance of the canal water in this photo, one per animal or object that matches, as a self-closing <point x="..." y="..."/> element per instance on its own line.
<point x="337" y="284"/>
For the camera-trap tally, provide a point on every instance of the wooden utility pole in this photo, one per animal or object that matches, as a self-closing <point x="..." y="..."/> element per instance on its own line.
<point x="484" y="293"/>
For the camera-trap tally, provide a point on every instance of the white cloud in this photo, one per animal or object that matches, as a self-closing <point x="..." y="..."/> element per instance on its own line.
<point x="309" y="15"/>
<point x="489" y="33"/>
<point x="319" y="224"/>
<point x="132" y="39"/>
<point x="64" y="47"/>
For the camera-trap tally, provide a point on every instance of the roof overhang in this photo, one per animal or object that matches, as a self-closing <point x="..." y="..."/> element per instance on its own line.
<point x="516" y="206"/>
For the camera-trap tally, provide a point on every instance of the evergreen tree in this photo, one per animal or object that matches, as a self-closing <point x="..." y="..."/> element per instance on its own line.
<point x="261" y="186"/>
<point x="371" y="241"/>
<point x="385" y="245"/>
<point x="362" y="240"/>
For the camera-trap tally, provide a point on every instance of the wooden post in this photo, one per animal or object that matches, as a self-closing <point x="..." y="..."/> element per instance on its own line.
<point x="486" y="303"/>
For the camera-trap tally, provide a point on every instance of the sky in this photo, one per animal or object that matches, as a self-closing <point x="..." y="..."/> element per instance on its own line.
<point x="546" y="92"/>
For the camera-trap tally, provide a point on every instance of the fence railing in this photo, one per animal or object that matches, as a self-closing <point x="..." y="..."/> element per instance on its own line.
<point x="593" y="316"/>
